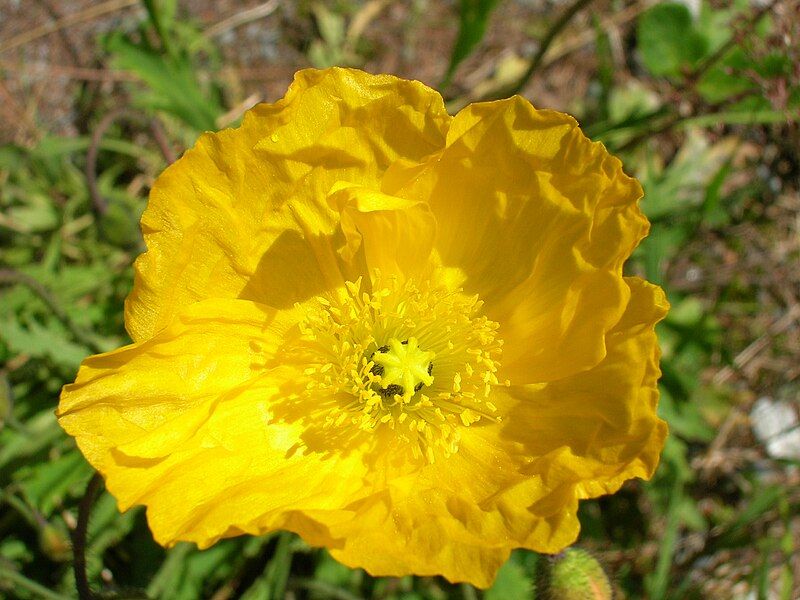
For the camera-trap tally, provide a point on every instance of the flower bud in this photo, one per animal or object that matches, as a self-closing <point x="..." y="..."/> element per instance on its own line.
<point x="576" y="575"/>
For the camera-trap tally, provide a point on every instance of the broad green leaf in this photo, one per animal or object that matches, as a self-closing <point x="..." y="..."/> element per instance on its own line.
<point x="685" y="420"/>
<point x="668" y="40"/>
<point x="680" y="186"/>
<point x="726" y="79"/>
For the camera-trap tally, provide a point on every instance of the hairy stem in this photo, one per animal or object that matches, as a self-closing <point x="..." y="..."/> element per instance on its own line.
<point x="79" y="538"/>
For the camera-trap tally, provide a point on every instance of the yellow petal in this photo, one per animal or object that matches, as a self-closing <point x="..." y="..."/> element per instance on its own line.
<point x="598" y="428"/>
<point x="184" y="424"/>
<point x="144" y="400"/>
<point x="538" y="220"/>
<point x="392" y="234"/>
<point x="458" y="517"/>
<point x="244" y="213"/>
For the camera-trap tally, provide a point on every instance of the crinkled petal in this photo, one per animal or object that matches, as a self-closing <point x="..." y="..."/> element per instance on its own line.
<point x="539" y="220"/>
<point x="459" y="517"/>
<point x="182" y="423"/>
<point x="383" y="232"/>
<point x="598" y="428"/>
<point x="244" y="213"/>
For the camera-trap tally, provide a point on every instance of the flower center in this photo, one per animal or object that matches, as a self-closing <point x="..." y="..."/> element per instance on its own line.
<point x="403" y="367"/>
<point x="415" y="357"/>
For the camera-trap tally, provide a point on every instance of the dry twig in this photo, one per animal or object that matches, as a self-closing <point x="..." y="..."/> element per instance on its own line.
<point x="90" y="13"/>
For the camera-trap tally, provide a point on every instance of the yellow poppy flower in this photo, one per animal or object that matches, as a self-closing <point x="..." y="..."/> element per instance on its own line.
<point x="403" y="335"/>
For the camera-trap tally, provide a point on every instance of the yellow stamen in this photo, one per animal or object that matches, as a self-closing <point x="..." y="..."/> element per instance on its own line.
<point x="415" y="357"/>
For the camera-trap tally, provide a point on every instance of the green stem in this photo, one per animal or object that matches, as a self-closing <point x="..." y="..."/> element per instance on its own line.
<point x="279" y="566"/>
<point x="668" y="543"/>
<point x="17" y="579"/>
<point x="544" y="46"/>
<point x="172" y="563"/>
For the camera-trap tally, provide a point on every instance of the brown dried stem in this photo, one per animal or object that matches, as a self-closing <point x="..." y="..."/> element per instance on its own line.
<point x="156" y="131"/>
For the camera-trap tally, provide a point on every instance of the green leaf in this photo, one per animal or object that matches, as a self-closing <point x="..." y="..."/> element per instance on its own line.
<point x="161" y="14"/>
<point x="668" y="39"/>
<point x="52" y="147"/>
<point x="685" y="419"/>
<point x="51" y="341"/>
<point x="6" y="400"/>
<point x="331" y="25"/>
<point x="41" y="431"/>
<point x="767" y="498"/>
<point x="37" y="215"/>
<point x="512" y="581"/>
<point x="273" y="584"/>
<point x="679" y="187"/>
<point x="189" y="573"/>
<point x="473" y="19"/>
<point x="331" y="571"/>
<point x="47" y="483"/>
<point x="172" y="82"/>
<point x="724" y="80"/>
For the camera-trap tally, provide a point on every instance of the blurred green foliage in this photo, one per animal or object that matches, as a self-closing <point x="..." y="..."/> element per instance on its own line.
<point x="66" y="269"/>
<point x="473" y="20"/>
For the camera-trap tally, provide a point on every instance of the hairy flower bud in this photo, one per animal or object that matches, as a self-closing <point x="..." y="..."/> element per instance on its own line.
<point x="575" y="575"/>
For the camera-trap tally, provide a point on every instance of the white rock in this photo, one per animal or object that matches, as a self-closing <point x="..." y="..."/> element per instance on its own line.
<point x="776" y="425"/>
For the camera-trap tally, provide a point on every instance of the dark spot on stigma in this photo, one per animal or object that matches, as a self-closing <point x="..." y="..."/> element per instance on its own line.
<point x="418" y="387"/>
<point x="376" y="368"/>
<point x="391" y="390"/>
